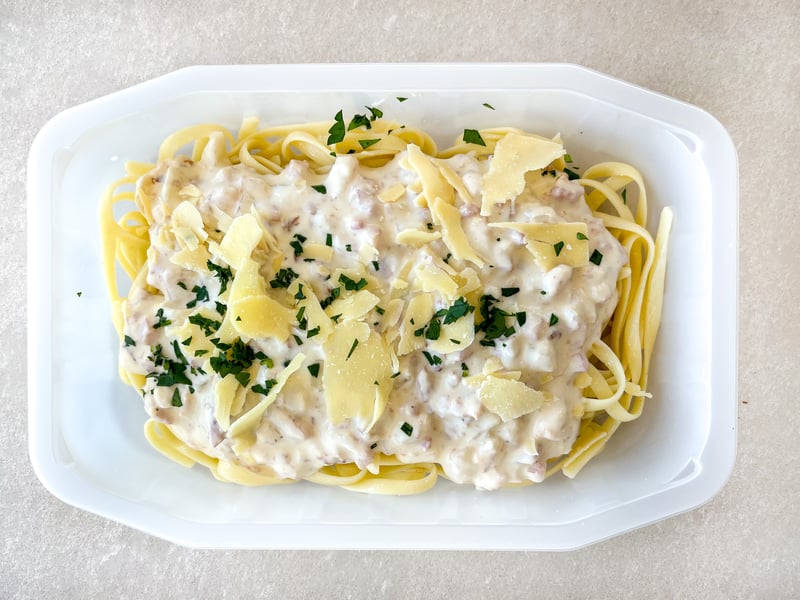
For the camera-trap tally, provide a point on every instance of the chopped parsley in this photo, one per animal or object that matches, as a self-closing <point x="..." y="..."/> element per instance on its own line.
<point x="336" y="132"/>
<point x="209" y="326"/>
<point x="173" y="371"/>
<point x="625" y="196"/>
<point x="376" y="265"/>
<point x="129" y="341"/>
<point x="375" y="113"/>
<point x="522" y="317"/>
<point x="234" y="359"/>
<point x="380" y="310"/>
<point x="348" y="247"/>
<point x="200" y="295"/>
<point x="351" y="285"/>
<point x="473" y="136"/>
<point x="434" y="329"/>
<point x="395" y="375"/>
<point x="297" y="243"/>
<point x="314" y="369"/>
<point x="299" y="295"/>
<point x="367" y="143"/>
<point x="407" y="429"/>
<point x="161" y="320"/>
<point x="464" y="370"/>
<point x="79" y="294"/>
<point x="319" y="188"/>
<point x="558" y="247"/>
<point x="221" y="308"/>
<point x="433" y="360"/>
<point x="509" y="291"/>
<point x="176" y="398"/>
<point x="283" y="278"/>
<point x="181" y="285"/>
<point x="326" y="302"/>
<point x="553" y="319"/>
<point x="224" y="275"/>
<point x="459" y="308"/>
<point x="401" y="99"/>
<point x="312" y="332"/>
<point x="571" y="174"/>
<point x="489" y="106"/>
<point x="580" y="236"/>
<point x="352" y="349"/>
<point x="264" y="389"/>
<point x="187" y="341"/>
<point x="328" y="240"/>
<point x="596" y="257"/>
<point x="494" y="320"/>
<point x="567" y="158"/>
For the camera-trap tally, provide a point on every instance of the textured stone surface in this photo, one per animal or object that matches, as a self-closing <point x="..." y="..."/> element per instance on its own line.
<point x="736" y="59"/>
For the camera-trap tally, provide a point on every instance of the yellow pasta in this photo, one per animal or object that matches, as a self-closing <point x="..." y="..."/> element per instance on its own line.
<point x="613" y="387"/>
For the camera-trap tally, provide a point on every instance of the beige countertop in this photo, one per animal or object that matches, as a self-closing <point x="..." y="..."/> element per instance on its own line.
<point x="738" y="60"/>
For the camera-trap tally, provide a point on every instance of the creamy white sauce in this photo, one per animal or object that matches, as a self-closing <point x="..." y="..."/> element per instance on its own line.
<point x="295" y="438"/>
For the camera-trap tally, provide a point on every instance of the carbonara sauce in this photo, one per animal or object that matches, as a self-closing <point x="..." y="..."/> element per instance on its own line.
<point x="435" y="411"/>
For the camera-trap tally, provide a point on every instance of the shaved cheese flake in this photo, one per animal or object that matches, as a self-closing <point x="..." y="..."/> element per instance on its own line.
<point x="514" y="155"/>
<point x="418" y="314"/>
<point x="261" y="317"/>
<point x="190" y="191"/>
<point x="224" y="220"/>
<point x="455" y="336"/>
<point x="247" y="282"/>
<point x="458" y="184"/>
<point x="252" y="417"/>
<point x="186" y="215"/>
<point x="468" y="281"/>
<point x="392" y="193"/>
<point x="355" y="306"/>
<point x="434" y="184"/>
<point x="194" y="260"/>
<point x="432" y="279"/>
<point x="416" y="237"/>
<point x="318" y="252"/>
<point x="312" y="310"/>
<point x="243" y="236"/>
<point x="226" y="392"/>
<point x="542" y="239"/>
<point x="448" y="218"/>
<point x="509" y="399"/>
<point x="357" y="376"/>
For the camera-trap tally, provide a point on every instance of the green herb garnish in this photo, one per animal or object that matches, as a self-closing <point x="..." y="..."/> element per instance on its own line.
<point x="319" y="188"/>
<point x="336" y="132"/>
<point x="473" y="136"/>
<point x="596" y="257"/>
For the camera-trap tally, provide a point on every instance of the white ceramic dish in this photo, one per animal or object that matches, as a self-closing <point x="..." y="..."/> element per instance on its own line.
<point x="85" y="427"/>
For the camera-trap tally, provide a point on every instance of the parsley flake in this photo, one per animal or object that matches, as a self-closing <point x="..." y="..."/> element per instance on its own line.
<point x="352" y="349"/>
<point x="336" y="132"/>
<point x="553" y="319"/>
<point x="596" y="257"/>
<point x="509" y="291"/>
<point x="558" y="247"/>
<point x="580" y="236"/>
<point x="129" y="341"/>
<point x="367" y="143"/>
<point x="313" y="369"/>
<point x="473" y="136"/>
<point x="264" y="389"/>
<point x="319" y="188"/>
<point x="407" y="429"/>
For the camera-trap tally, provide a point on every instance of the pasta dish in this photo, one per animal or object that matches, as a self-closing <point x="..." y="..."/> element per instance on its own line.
<point x="344" y="303"/>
